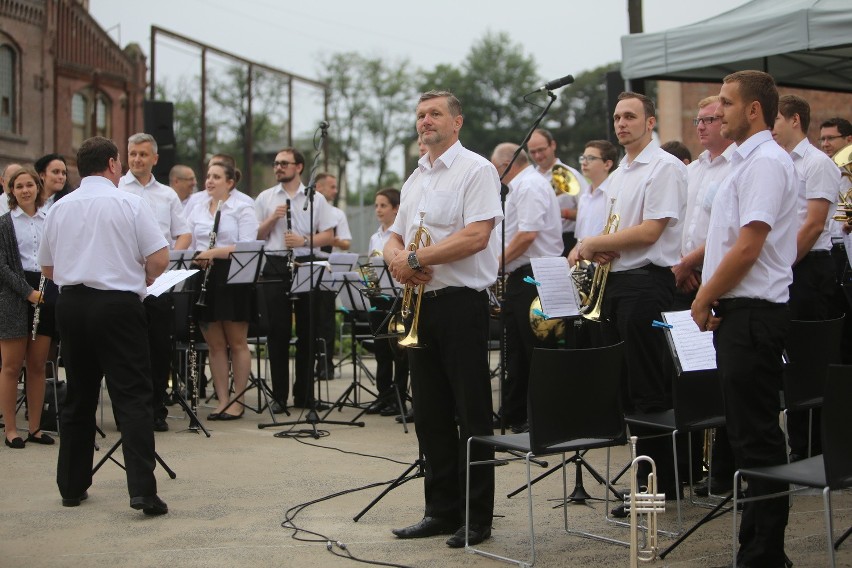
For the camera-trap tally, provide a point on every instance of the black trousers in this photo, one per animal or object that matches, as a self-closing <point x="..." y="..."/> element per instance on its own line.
<point x="104" y="333"/>
<point x="520" y="342"/>
<point x="748" y="344"/>
<point x="452" y="401"/>
<point x="391" y="365"/>
<point x="158" y="310"/>
<point x="325" y="329"/>
<point x="276" y="310"/>
<point x="631" y="301"/>
<point x="813" y="287"/>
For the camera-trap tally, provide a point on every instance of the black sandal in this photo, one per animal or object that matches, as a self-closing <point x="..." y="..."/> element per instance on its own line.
<point x="44" y="439"/>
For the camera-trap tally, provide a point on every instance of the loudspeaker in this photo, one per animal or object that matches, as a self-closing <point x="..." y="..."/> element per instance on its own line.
<point x="614" y="87"/>
<point x="159" y="123"/>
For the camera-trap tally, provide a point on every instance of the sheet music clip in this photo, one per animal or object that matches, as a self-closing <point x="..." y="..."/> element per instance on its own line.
<point x="541" y="314"/>
<point x="531" y="280"/>
<point x="661" y="325"/>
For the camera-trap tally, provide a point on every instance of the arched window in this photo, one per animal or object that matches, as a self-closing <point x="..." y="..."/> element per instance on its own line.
<point x="86" y="105"/>
<point x="8" y="88"/>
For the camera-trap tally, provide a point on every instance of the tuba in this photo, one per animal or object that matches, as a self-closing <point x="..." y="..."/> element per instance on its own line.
<point x="405" y="322"/>
<point x="843" y="159"/>
<point x="564" y="181"/>
<point x="596" y="292"/>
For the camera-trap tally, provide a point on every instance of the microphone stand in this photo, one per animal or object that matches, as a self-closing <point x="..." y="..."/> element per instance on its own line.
<point x="504" y="191"/>
<point x="312" y="416"/>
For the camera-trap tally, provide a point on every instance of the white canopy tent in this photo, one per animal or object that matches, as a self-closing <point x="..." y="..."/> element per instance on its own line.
<point x="801" y="43"/>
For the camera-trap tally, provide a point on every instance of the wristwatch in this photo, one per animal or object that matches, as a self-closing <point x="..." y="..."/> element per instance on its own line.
<point x="306" y="242"/>
<point x="413" y="263"/>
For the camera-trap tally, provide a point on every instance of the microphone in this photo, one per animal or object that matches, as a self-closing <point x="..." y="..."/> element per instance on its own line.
<point x="556" y="83"/>
<point x="324" y="125"/>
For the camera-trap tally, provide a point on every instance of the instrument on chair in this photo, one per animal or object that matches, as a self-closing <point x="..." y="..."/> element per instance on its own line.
<point x="202" y="298"/>
<point x="595" y="295"/>
<point x="404" y="323"/>
<point x="37" y="311"/>
<point x="843" y="159"/>
<point x="647" y="503"/>
<point x="564" y="181"/>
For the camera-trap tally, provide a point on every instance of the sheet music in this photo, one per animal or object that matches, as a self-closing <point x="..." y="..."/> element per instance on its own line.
<point x="302" y="278"/>
<point x="693" y="347"/>
<point x="343" y="261"/>
<point x="168" y="279"/>
<point x="558" y="295"/>
<point x="353" y="298"/>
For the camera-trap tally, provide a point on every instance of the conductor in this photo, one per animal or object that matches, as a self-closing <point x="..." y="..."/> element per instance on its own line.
<point x="102" y="272"/>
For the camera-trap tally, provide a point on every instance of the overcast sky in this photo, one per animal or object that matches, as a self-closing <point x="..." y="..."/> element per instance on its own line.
<point x="564" y="36"/>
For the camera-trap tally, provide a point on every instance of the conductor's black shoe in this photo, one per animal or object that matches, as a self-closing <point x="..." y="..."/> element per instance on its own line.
<point x="278" y="408"/>
<point x="160" y="425"/>
<point x="75" y="501"/>
<point x="475" y="535"/>
<point x="151" y="505"/>
<point x="409" y="416"/>
<point x="717" y="486"/>
<point x="428" y="526"/>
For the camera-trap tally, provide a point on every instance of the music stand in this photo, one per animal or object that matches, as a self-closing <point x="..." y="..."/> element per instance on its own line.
<point x="115" y="446"/>
<point x="349" y="287"/>
<point x="306" y="279"/>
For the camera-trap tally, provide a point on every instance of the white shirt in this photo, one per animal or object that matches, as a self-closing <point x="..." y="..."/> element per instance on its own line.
<point x="592" y="209"/>
<point x="271" y="198"/>
<point x="28" y="231"/>
<point x="4" y="203"/>
<point x="652" y="186"/>
<point x="567" y="201"/>
<point x="819" y="178"/>
<point x="201" y="195"/>
<point x="163" y="201"/>
<point x="100" y="237"/>
<point x="531" y="206"/>
<point x="341" y="226"/>
<point x="237" y="223"/>
<point x="703" y="178"/>
<point x="378" y="241"/>
<point x="460" y="188"/>
<point x="760" y="187"/>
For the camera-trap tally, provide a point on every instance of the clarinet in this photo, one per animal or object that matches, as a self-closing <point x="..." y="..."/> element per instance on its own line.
<point x="203" y="296"/>
<point x="37" y="312"/>
<point x="290" y="230"/>
<point x="193" y="373"/>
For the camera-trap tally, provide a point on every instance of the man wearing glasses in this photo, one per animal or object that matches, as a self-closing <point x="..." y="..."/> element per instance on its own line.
<point x="834" y="134"/>
<point x="542" y="149"/>
<point x="271" y="207"/>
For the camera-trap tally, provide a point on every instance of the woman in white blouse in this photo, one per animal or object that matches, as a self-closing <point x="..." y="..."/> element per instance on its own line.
<point x="224" y="320"/>
<point x="20" y="236"/>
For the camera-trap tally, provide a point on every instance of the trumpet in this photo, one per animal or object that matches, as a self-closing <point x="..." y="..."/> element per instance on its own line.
<point x="397" y="325"/>
<point x="595" y="295"/>
<point x="202" y="298"/>
<point x="564" y="181"/>
<point x="37" y="311"/>
<point x="648" y="503"/>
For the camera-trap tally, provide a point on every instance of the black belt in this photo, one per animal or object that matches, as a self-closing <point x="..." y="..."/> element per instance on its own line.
<point x="83" y="287"/>
<point x="730" y="304"/>
<point x="642" y="271"/>
<point x="444" y="291"/>
<point x="818" y="254"/>
<point x="523" y="270"/>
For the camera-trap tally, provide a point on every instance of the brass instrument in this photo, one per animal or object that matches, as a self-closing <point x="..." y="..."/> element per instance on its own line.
<point x="495" y="296"/>
<point x="397" y="325"/>
<point x="595" y="296"/>
<point x="544" y="328"/>
<point x="583" y="275"/>
<point x="202" y="298"/>
<point x="368" y="275"/>
<point x="37" y="311"/>
<point x="843" y="159"/>
<point x="648" y="503"/>
<point x="564" y="181"/>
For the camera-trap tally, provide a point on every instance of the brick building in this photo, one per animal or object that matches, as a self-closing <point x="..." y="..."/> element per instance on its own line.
<point x="62" y="80"/>
<point x="677" y="105"/>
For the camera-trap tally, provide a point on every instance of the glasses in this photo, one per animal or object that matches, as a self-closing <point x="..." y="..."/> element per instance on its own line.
<point x="588" y="159"/>
<point x="707" y="120"/>
<point x="282" y="164"/>
<point x="827" y="138"/>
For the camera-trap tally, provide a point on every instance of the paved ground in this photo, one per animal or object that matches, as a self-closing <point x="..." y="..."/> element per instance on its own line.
<point x="234" y="490"/>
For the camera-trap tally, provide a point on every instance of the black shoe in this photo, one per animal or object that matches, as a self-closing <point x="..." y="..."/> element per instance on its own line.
<point x="409" y="416"/>
<point x="520" y="428"/>
<point x="224" y="416"/>
<point x="796" y="457"/>
<point x="428" y="526"/>
<point x="475" y="535"/>
<point x="44" y="439"/>
<point x="160" y="425"/>
<point x="75" y="501"/>
<point x="718" y="486"/>
<point x="213" y="416"/>
<point x="171" y="399"/>
<point x="620" y="512"/>
<point x="16" y="443"/>
<point x="278" y="408"/>
<point x="151" y="505"/>
<point x="391" y="409"/>
<point x="376" y="407"/>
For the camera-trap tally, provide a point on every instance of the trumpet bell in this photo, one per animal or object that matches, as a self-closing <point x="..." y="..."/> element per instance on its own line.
<point x="843" y="159"/>
<point x="549" y="330"/>
<point x="564" y="181"/>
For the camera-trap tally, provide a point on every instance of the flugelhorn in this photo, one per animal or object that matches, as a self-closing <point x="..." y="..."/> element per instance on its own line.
<point x="397" y="325"/>
<point x="37" y="311"/>
<point x="564" y="181"/>
<point x="595" y="296"/>
<point x="648" y="503"/>
<point x="843" y="159"/>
